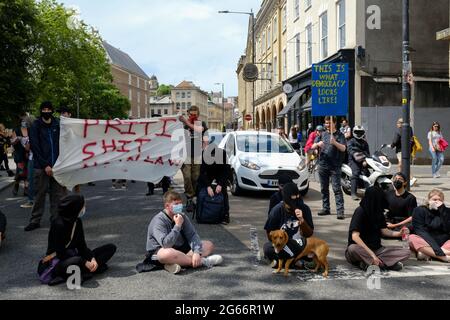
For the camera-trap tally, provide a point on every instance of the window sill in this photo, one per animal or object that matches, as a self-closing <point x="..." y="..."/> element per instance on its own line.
<point x="307" y="9"/>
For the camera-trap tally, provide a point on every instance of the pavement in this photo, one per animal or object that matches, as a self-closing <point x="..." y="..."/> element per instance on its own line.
<point x="6" y="181"/>
<point x="122" y="217"/>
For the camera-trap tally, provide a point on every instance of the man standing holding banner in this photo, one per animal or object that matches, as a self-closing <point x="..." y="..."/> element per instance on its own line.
<point x="330" y="98"/>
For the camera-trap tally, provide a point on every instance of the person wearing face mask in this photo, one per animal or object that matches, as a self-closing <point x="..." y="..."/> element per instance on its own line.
<point x="195" y="129"/>
<point x="431" y="223"/>
<point x="401" y="204"/>
<point x="20" y="140"/>
<point x="173" y="242"/>
<point x="277" y="197"/>
<point x="291" y="215"/>
<point x="364" y="237"/>
<point x="44" y="141"/>
<point x="67" y="244"/>
<point x="358" y="151"/>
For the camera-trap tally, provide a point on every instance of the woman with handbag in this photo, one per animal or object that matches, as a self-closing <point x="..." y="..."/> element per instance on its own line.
<point x="436" y="149"/>
<point x="67" y="245"/>
<point x="20" y="141"/>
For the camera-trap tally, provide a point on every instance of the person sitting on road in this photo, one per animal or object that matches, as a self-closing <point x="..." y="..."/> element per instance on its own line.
<point x="2" y="227"/>
<point x="67" y="244"/>
<point x="293" y="216"/>
<point x="358" y="151"/>
<point x="173" y="242"/>
<point x="431" y="228"/>
<point x="364" y="237"/>
<point x="401" y="204"/>
<point x="277" y="197"/>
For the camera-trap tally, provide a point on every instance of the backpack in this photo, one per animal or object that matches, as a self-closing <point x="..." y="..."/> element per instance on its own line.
<point x="210" y="210"/>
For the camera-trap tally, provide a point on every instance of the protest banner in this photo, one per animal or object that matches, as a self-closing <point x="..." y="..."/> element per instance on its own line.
<point x="97" y="150"/>
<point x="330" y="89"/>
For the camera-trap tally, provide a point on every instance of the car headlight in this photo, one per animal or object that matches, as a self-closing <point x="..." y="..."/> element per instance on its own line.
<point x="250" y="165"/>
<point x="302" y="165"/>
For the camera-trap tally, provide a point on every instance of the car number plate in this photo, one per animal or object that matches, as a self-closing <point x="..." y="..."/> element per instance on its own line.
<point x="273" y="183"/>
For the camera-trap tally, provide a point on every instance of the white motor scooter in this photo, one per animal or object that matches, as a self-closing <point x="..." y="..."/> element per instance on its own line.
<point x="379" y="168"/>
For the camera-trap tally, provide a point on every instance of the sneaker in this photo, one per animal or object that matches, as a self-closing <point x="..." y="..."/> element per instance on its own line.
<point x="341" y="216"/>
<point x="396" y="267"/>
<point x="27" y="205"/>
<point x="145" y="267"/>
<point x="355" y="197"/>
<point x="438" y="175"/>
<point x="324" y="213"/>
<point x="274" y="264"/>
<point x="32" y="226"/>
<point x="212" y="261"/>
<point x="56" y="281"/>
<point x="413" y="181"/>
<point x="363" y="266"/>
<point x="172" y="268"/>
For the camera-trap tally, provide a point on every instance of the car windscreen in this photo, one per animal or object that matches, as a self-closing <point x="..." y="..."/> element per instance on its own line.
<point x="216" y="138"/>
<point x="263" y="144"/>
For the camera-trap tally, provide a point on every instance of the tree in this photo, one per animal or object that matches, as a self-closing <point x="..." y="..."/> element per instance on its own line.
<point x="106" y="102"/>
<point x="71" y="65"/>
<point x="163" y="90"/>
<point x="18" y="21"/>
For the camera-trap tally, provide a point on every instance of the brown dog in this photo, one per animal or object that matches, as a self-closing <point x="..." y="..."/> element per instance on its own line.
<point x="318" y="247"/>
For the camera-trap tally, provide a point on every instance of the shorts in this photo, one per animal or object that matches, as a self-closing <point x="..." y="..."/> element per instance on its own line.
<point x="152" y="256"/>
<point x="416" y="243"/>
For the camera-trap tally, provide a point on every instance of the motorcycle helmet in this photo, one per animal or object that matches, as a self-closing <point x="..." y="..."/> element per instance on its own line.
<point x="320" y="128"/>
<point x="359" y="132"/>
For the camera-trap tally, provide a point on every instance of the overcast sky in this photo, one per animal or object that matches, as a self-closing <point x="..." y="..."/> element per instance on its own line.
<point x="175" y="39"/>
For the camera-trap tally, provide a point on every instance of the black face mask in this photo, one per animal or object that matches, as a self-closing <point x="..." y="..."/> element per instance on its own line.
<point x="398" y="184"/>
<point x="46" y="115"/>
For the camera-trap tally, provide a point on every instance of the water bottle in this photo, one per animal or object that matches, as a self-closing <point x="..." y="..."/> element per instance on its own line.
<point x="405" y="238"/>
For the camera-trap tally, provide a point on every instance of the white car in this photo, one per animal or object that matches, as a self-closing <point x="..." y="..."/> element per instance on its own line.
<point x="258" y="159"/>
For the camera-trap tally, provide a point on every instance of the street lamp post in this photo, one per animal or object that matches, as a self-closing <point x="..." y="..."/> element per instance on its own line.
<point x="223" y="105"/>
<point x="252" y="15"/>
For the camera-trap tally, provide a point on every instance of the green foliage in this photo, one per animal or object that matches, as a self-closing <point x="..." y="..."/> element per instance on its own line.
<point x="163" y="90"/>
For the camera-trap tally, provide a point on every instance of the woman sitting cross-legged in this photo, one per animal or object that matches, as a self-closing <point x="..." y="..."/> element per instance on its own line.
<point x="431" y="223"/>
<point x="366" y="229"/>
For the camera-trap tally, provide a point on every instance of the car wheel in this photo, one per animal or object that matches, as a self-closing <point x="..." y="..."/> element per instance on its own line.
<point x="304" y="192"/>
<point x="235" y="189"/>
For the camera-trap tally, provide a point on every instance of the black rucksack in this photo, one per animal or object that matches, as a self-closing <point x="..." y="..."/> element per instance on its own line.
<point x="210" y="210"/>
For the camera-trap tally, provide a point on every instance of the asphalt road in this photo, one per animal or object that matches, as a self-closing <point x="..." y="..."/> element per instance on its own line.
<point x="122" y="216"/>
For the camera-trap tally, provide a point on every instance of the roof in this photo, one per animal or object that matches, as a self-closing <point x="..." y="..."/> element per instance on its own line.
<point x="123" y="60"/>
<point x="186" y="85"/>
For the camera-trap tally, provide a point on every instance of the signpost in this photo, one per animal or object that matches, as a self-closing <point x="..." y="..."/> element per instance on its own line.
<point x="330" y="89"/>
<point x="248" y="117"/>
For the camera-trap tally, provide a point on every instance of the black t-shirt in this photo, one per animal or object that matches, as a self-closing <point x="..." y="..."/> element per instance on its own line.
<point x="275" y="199"/>
<point x="400" y="207"/>
<point x="330" y="157"/>
<point x="195" y="138"/>
<point x="370" y="232"/>
<point x="292" y="249"/>
<point x="280" y="219"/>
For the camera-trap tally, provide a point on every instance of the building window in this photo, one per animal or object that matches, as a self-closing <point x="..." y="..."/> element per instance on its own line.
<point x="146" y="99"/>
<point x="284" y="64"/>
<point x="129" y="79"/>
<point x="297" y="52"/>
<point x="178" y="95"/>
<point x="275" y="69"/>
<point x="166" y="112"/>
<point x="189" y="105"/>
<point x="324" y="34"/>
<point x="138" y="82"/>
<point x="275" y="29"/>
<point x="183" y="95"/>
<point x="159" y="111"/>
<point x="130" y="94"/>
<point x="284" y="19"/>
<point x="307" y="4"/>
<point x="139" y="97"/>
<point x="296" y="9"/>
<point x="145" y="85"/>
<point x="269" y="36"/>
<point x="178" y="106"/>
<point x="189" y="95"/>
<point x="264" y="45"/>
<point x="183" y="105"/>
<point x="309" y="44"/>
<point x="341" y="24"/>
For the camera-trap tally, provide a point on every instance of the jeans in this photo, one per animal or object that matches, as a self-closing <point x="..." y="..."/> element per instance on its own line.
<point x="30" y="181"/>
<point x="325" y="174"/>
<point x="437" y="161"/>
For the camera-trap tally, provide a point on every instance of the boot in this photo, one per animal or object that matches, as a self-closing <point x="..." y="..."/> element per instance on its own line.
<point x="16" y="189"/>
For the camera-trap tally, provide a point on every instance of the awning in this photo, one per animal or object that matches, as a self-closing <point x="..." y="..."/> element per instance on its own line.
<point x="291" y="103"/>
<point x="307" y="106"/>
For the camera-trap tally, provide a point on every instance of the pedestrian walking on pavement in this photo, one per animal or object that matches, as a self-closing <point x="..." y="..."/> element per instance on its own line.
<point x="367" y="227"/>
<point x="431" y="227"/>
<point x="173" y="243"/>
<point x="20" y="140"/>
<point x="67" y="245"/>
<point x="397" y="145"/>
<point x="2" y="228"/>
<point x="191" y="168"/>
<point x="358" y="152"/>
<point x="5" y="143"/>
<point x="332" y="146"/>
<point x="44" y="140"/>
<point x="437" y="154"/>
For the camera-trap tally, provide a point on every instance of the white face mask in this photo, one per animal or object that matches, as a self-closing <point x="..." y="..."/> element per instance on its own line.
<point x="82" y="213"/>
